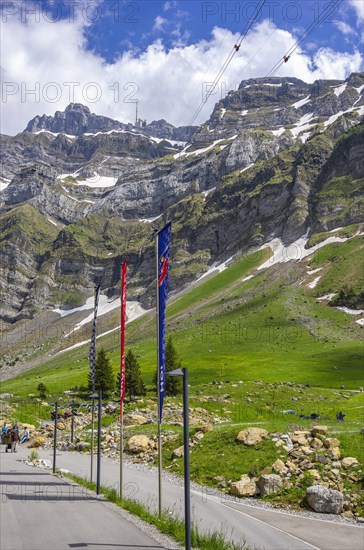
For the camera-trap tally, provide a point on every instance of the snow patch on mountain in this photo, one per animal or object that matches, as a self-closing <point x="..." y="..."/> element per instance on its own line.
<point x="340" y="89"/>
<point x="334" y="117"/>
<point x="278" y="132"/>
<point x="301" y="102"/>
<point x="314" y="282"/>
<point x="302" y="124"/>
<point x="4" y="183"/>
<point x="216" y="268"/>
<point x="295" y="251"/>
<point x="350" y="311"/>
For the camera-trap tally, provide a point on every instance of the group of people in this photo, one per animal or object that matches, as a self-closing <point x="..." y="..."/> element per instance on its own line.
<point x="10" y="436"/>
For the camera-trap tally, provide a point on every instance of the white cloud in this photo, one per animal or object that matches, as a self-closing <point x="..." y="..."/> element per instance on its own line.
<point x="358" y="6"/>
<point x="168" y="83"/>
<point x="343" y="27"/>
<point x="169" y="5"/>
<point x="159" y="23"/>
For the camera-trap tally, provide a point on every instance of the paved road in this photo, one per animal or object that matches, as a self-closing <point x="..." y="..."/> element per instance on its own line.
<point x="260" y="529"/>
<point x="40" y="511"/>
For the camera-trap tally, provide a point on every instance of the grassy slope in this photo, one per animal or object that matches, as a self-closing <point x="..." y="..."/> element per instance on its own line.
<point x="25" y="226"/>
<point x="268" y="328"/>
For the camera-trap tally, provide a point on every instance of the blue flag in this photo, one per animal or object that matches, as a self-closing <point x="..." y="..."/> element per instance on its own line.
<point x="163" y="241"/>
<point x="92" y="353"/>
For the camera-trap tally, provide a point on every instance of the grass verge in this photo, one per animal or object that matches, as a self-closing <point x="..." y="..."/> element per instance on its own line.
<point x="166" y="523"/>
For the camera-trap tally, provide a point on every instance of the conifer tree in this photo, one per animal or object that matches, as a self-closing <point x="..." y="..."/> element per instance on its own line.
<point x="134" y="382"/>
<point x="104" y="376"/>
<point x="173" y="384"/>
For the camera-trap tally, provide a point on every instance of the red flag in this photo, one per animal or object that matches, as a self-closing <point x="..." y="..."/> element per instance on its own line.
<point x="122" y="335"/>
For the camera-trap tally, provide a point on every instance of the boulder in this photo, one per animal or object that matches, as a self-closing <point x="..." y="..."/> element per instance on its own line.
<point x="269" y="484"/>
<point x="61" y="426"/>
<point x="197" y="437"/>
<point x="334" y="453"/>
<point x="316" y="443"/>
<point x="278" y="465"/>
<point x="327" y="501"/>
<point x="37" y="442"/>
<point x="331" y="442"/>
<point x="251" y="436"/>
<point x="243" y="488"/>
<point x="300" y="437"/>
<point x="349" y="462"/>
<point x="205" y="428"/>
<point x="319" y="430"/>
<point x="139" y="444"/>
<point x="315" y="474"/>
<point x="81" y="446"/>
<point x="179" y="452"/>
<point x="132" y="419"/>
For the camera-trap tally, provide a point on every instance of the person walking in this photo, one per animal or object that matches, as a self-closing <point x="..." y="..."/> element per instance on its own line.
<point x="14" y="437"/>
<point x="3" y="434"/>
<point x="3" y="430"/>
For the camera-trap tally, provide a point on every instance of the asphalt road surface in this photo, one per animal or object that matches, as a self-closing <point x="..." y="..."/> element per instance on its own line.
<point x="258" y="528"/>
<point x="40" y="511"/>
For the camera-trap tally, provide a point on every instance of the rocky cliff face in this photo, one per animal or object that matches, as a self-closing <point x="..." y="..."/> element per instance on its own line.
<point x="276" y="157"/>
<point x="77" y="119"/>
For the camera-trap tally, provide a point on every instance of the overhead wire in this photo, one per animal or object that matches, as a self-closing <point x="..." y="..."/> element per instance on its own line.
<point x="326" y="12"/>
<point x="227" y="61"/>
<point x="206" y="69"/>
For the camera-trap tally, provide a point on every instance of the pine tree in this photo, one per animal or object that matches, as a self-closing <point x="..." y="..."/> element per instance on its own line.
<point x="173" y="384"/>
<point x="104" y="376"/>
<point x="42" y="388"/>
<point x="134" y="382"/>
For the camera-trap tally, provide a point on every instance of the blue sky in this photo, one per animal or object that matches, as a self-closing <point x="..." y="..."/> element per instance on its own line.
<point x="110" y="53"/>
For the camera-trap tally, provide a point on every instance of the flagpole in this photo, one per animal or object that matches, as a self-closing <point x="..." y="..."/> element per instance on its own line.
<point x="122" y="368"/>
<point x="92" y="437"/>
<point x="158" y="389"/>
<point x="121" y="451"/>
<point x="92" y="371"/>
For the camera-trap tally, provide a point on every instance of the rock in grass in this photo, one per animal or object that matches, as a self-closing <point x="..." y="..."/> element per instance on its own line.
<point x="37" y="442"/>
<point x="269" y="484"/>
<point x="349" y="462"/>
<point x="319" y="430"/>
<point x="81" y="446"/>
<point x="139" y="444"/>
<point x="243" y="488"/>
<point x="252" y="436"/>
<point x="132" y="419"/>
<point x="327" y="501"/>
<point x="278" y="465"/>
<point x="331" y="442"/>
<point x="179" y="452"/>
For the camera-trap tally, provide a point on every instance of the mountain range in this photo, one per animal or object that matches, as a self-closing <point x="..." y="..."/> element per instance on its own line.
<point x="278" y="158"/>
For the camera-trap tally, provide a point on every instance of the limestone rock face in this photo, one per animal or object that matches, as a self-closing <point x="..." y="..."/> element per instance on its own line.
<point x="324" y="500"/>
<point x="254" y="164"/>
<point x="252" y="436"/>
<point x="269" y="484"/>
